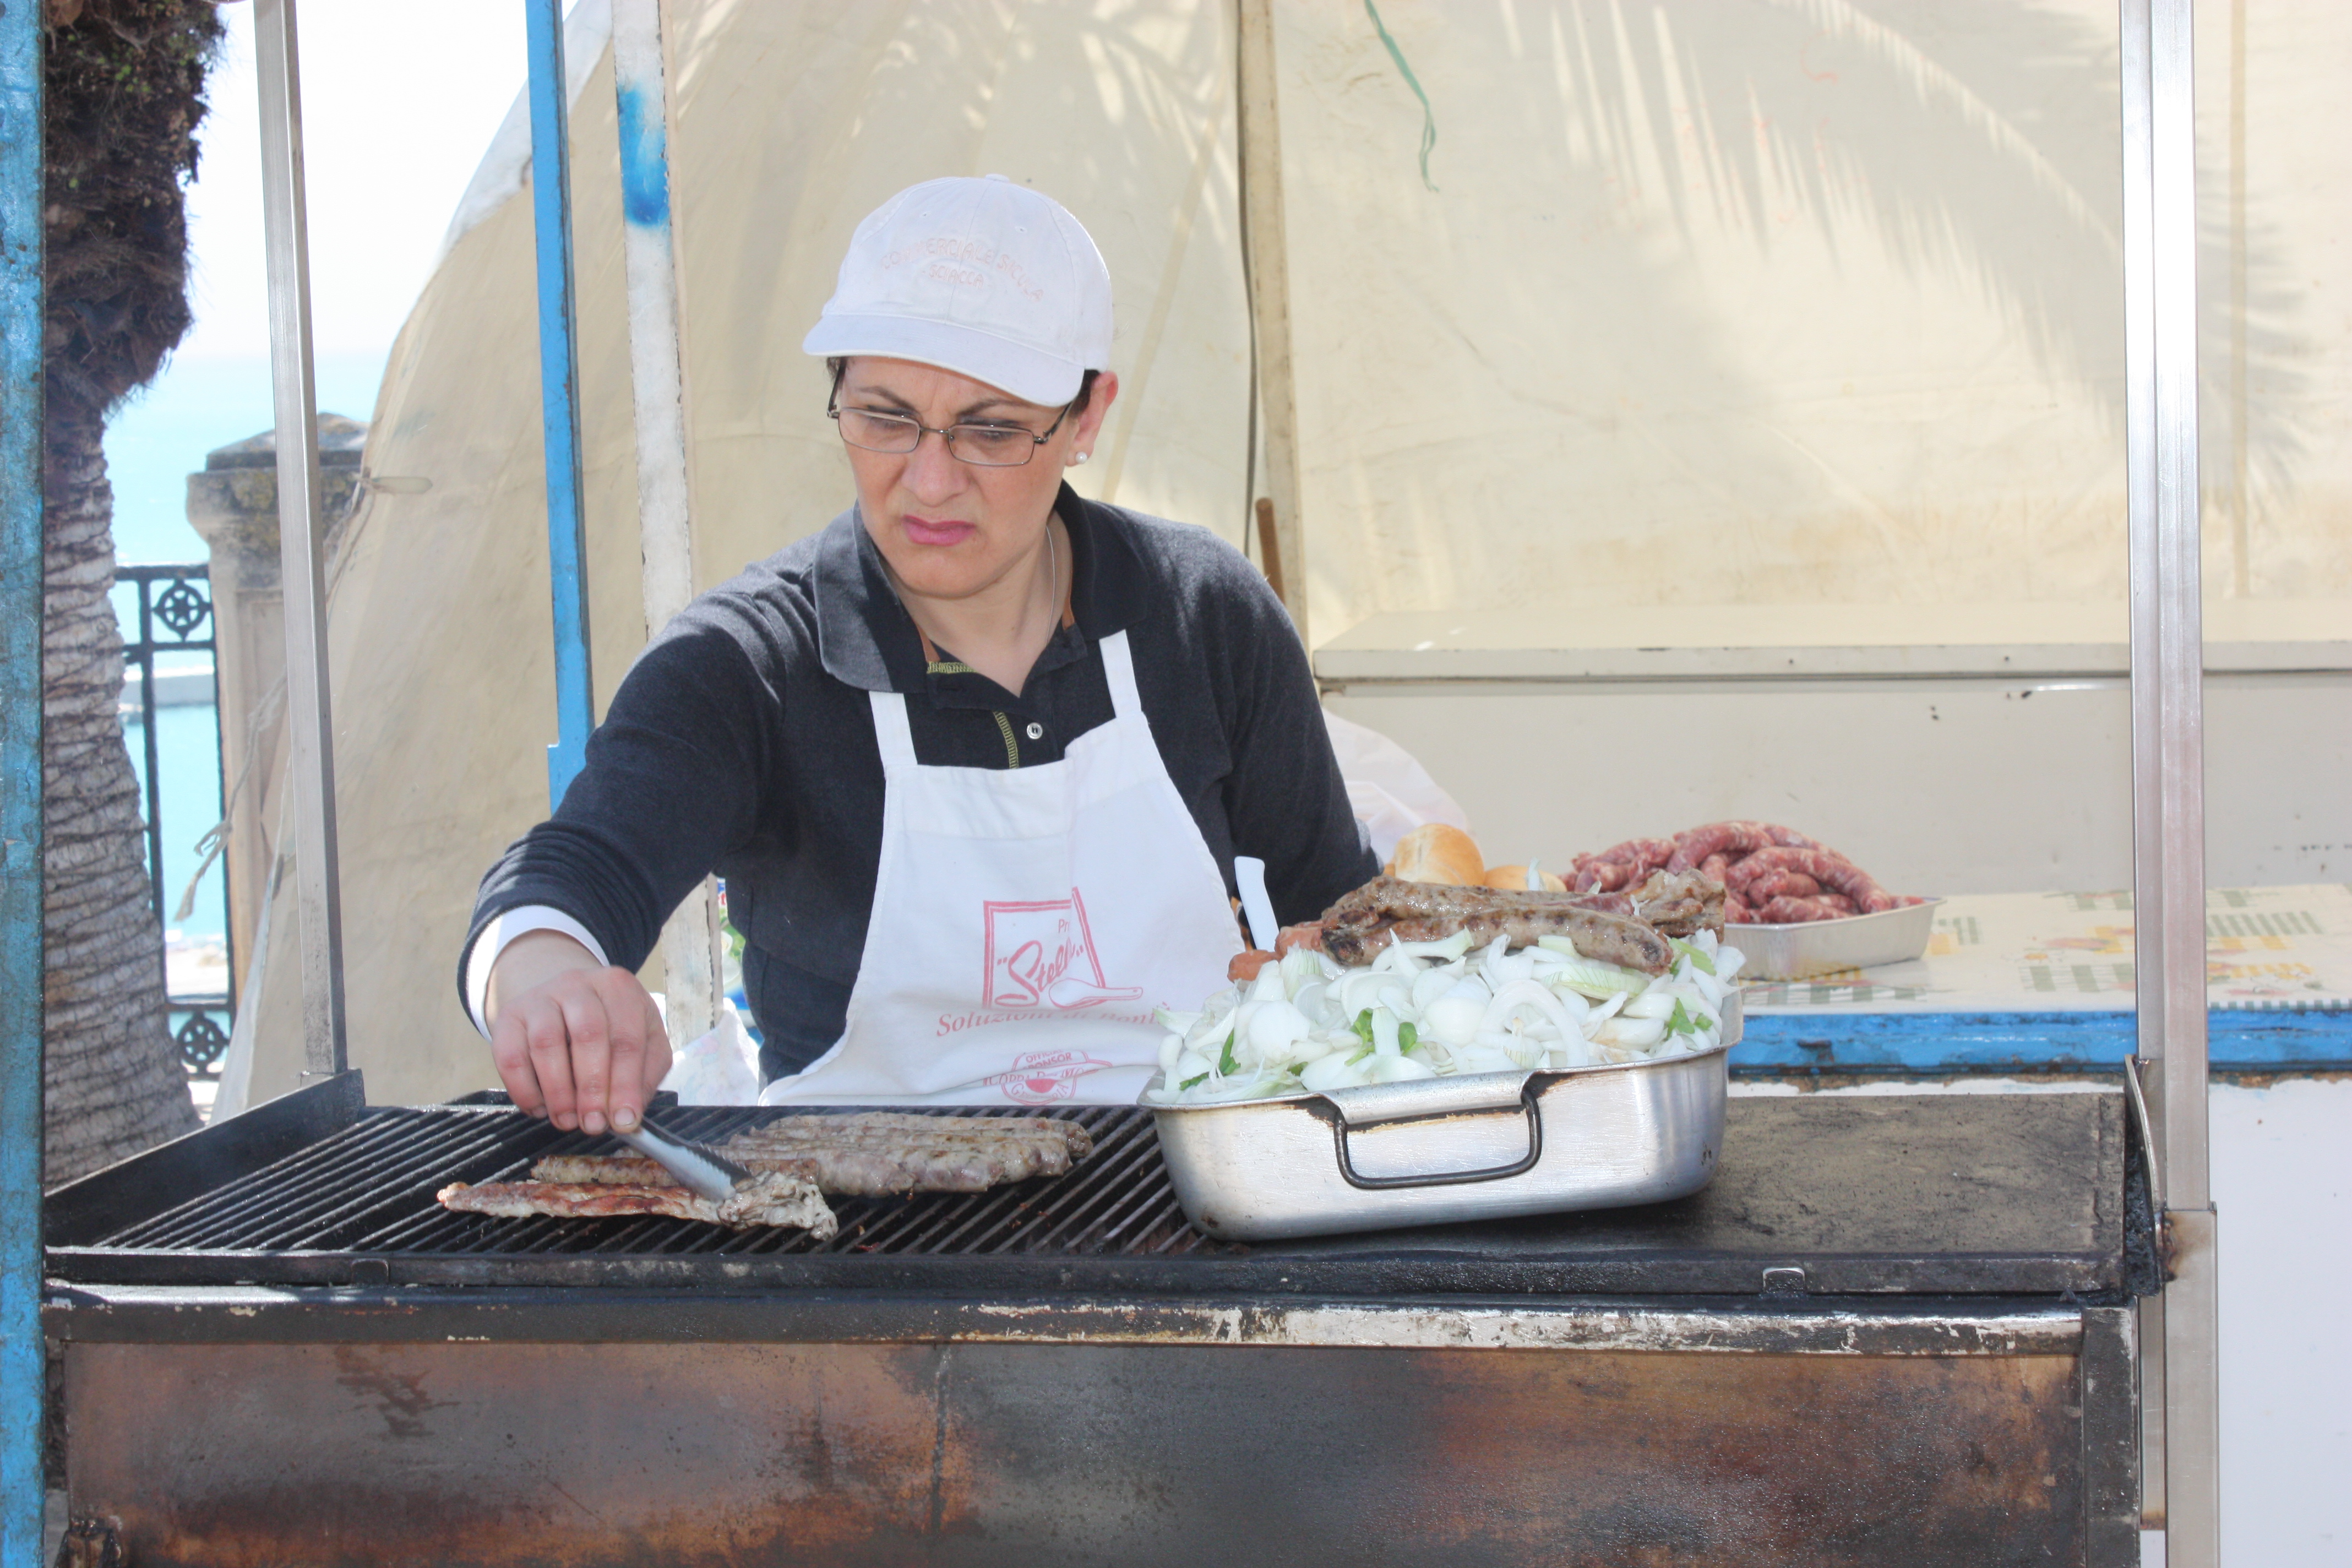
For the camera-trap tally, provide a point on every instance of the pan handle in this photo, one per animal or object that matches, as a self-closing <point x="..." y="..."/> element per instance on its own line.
<point x="1369" y="1103"/>
<point x="1342" y="1132"/>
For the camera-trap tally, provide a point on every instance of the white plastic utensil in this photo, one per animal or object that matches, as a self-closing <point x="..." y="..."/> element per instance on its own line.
<point x="1249" y="875"/>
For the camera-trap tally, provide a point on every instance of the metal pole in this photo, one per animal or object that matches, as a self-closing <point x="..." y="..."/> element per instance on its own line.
<point x="559" y="386"/>
<point x="690" y="946"/>
<point x="22" y="1380"/>
<point x="1269" y="274"/>
<point x="2181" y="1455"/>
<point x="302" y="539"/>
<point x="2148" y="858"/>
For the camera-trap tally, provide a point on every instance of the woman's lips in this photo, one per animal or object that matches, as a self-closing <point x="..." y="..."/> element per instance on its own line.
<point x="944" y="532"/>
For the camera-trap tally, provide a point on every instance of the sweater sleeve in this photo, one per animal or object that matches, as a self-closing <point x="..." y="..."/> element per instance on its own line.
<point x="1285" y="799"/>
<point x="672" y="785"/>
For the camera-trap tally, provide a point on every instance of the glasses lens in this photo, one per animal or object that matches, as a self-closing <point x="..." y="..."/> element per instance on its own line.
<point x="991" y="445"/>
<point x="879" y="432"/>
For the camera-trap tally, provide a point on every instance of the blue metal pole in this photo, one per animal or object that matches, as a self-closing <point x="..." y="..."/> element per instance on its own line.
<point x="21" y="1370"/>
<point x="559" y="383"/>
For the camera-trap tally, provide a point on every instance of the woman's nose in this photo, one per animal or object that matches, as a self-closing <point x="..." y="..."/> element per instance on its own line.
<point x="932" y="470"/>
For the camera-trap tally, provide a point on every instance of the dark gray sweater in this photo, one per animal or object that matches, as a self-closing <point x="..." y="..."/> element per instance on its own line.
<point x="742" y="742"/>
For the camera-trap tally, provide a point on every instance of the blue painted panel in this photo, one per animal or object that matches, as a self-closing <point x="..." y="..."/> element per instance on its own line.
<point x="21" y="1379"/>
<point x="645" y="160"/>
<point x="2241" y="1040"/>
<point x="559" y="382"/>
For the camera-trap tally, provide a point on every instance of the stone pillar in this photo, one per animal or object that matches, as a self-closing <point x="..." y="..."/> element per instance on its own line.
<point x="232" y="504"/>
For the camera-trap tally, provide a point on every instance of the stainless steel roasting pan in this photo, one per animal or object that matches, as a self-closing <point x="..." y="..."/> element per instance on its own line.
<point x="1435" y="1150"/>
<point x="1825" y="947"/>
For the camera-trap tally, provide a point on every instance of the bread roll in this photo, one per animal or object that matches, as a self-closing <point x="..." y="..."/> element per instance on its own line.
<point x="1435" y="852"/>
<point x="1514" y="879"/>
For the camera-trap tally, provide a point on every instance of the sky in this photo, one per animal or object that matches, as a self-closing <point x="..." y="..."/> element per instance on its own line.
<point x="399" y="102"/>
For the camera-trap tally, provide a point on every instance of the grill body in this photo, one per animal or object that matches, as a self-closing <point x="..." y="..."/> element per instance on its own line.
<point x="1892" y="1331"/>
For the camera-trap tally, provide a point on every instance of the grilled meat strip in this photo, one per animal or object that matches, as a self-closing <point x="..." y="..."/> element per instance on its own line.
<point x="1681" y="903"/>
<point x="1613" y="939"/>
<point x="869" y="1153"/>
<point x="1602" y="926"/>
<point x="774" y="1198"/>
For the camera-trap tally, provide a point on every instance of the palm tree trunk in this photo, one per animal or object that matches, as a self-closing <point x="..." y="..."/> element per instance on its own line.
<point x="111" y="1073"/>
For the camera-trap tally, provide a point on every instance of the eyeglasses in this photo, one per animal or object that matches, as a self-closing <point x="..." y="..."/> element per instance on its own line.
<point x="983" y="445"/>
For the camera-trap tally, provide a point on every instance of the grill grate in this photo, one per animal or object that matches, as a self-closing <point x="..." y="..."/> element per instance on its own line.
<point x="369" y="1189"/>
<point x="316" y="1189"/>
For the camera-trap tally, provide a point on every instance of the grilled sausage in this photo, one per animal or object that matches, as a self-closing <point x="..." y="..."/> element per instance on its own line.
<point x="1386" y="909"/>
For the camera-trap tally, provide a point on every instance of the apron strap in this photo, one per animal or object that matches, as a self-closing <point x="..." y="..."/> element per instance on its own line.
<point x="1118" y="672"/>
<point x="891" y="734"/>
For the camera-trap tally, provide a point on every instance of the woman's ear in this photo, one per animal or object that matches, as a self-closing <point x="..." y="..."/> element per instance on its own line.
<point x="1090" y="419"/>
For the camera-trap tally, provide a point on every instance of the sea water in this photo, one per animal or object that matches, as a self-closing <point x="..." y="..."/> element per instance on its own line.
<point x="187" y="745"/>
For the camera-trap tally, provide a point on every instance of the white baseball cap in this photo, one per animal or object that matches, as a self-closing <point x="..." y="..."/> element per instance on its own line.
<point x="983" y="277"/>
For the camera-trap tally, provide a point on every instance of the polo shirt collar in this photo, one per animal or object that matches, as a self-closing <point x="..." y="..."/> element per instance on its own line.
<point x="864" y="635"/>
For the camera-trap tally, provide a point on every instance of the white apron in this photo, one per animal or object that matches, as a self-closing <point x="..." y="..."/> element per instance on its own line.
<point x="1026" y="921"/>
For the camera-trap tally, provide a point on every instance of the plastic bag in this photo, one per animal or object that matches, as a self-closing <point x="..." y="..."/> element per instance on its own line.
<point x="722" y="1068"/>
<point x="1389" y="792"/>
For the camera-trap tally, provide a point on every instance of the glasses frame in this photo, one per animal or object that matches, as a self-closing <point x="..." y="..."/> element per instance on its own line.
<point x="834" y="411"/>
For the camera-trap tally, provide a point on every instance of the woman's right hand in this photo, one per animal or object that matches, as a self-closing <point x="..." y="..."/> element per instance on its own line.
<point x="578" y="1042"/>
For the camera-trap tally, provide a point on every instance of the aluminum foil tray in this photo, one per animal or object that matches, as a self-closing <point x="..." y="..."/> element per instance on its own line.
<point x="1819" y="947"/>
<point x="1436" y="1151"/>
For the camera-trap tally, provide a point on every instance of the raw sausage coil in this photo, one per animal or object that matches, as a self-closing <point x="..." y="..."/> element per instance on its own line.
<point x="1693" y="846"/>
<point x="1833" y="870"/>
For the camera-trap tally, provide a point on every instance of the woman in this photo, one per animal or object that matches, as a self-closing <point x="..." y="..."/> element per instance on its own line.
<point x="975" y="761"/>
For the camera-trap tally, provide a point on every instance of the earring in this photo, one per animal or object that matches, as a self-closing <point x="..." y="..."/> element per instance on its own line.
<point x="1079" y="457"/>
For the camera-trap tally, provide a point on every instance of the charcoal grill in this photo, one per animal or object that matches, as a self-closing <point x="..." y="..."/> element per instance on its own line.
<point x="356" y="1204"/>
<point x="1894" y="1329"/>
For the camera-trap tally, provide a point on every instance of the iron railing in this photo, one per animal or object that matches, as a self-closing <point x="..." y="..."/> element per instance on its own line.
<point x="176" y="616"/>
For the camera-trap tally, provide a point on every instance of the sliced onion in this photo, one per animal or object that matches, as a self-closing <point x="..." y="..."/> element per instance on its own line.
<point x="1397" y="1069"/>
<point x="1525" y="994"/>
<point x="1636" y="1034"/>
<point x="1334" y="1071"/>
<point x="1454" y="1018"/>
<point x="1427" y="988"/>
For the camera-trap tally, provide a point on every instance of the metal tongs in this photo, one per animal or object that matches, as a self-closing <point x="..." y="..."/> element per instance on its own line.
<point x="697" y="1167"/>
